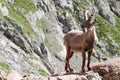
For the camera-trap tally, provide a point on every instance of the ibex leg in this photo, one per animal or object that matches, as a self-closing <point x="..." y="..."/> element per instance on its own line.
<point x="89" y="57"/>
<point x="83" y="61"/>
<point x="67" y="65"/>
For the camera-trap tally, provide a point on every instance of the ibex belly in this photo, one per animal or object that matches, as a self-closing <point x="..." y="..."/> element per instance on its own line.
<point x="76" y="47"/>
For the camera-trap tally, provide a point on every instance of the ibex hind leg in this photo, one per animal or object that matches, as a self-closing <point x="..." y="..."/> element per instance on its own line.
<point x="67" y="65"/>
<point x="71" y="54"/>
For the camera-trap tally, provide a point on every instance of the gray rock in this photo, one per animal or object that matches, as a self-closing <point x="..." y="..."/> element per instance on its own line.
<point x="20" y="42"/>
<point x="104" y="10"/>
<point x="94" y="77"/>
<point x="41" y="4"/>
<point x="88" y="76"/>
<point x="114" y="6"/>
<point x="68" y="22"/>
<point x="9" y="33"/>
<point x="14" y="24"/>
<point x="109" y="69"/>
<point x="67" y="4"/>
<point x="3" y="25"/>
<point x="33" y="17"/>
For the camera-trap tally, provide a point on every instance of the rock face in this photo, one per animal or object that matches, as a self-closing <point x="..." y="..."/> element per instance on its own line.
<point x="110" y="70"/>
<point x="13" y="75"/>
<point x="31" y="33"/>
<point x="104" y="10"/>
<point x="87" y="76"/>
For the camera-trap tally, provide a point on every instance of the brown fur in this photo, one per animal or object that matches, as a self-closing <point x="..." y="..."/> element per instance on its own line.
<point x="81" y="41"/>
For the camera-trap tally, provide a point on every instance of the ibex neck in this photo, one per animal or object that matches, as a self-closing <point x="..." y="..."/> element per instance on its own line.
<point x="92" y="29"/>
<point x="91" y="32"/>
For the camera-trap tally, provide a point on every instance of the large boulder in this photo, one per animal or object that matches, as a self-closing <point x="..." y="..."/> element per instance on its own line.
<point x="110" y="70"/>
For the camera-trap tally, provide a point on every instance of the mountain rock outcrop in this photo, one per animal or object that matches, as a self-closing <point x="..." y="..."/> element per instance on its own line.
<point x="31" y="34"/>
<point x="110" y="70"/>
<point x="13" y="75"/>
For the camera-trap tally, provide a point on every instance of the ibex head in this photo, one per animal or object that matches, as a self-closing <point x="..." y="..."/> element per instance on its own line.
<point x="89" y="20"/>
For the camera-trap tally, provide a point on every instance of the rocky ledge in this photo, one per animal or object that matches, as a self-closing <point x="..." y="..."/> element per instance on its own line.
<point x="13" y="75"/>
<point x="109" y="70"/>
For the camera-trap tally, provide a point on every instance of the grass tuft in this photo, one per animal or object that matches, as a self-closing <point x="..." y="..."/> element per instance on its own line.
<point x="42" y="72"/>
<point x="4" y="66"/>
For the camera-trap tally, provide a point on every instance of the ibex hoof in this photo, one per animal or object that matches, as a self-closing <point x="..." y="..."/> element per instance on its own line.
<point x="83" y="70"/>
<point x="69" y="71"/>
<point x="89" y="68"/>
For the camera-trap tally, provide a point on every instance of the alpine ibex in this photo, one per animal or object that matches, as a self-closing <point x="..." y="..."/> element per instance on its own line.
<point x="81" y="41"/>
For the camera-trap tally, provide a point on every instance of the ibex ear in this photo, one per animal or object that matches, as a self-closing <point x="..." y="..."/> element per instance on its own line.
<point x="93" y="11"/>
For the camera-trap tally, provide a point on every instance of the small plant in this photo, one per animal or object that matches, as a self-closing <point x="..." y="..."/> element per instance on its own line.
<point x="42" y="23"/>
<point x="28" y="5"/>
<point x="4" y="66"/>
<point x="79" y="3"/>
<point x="42" y="72"/>
<point x="16" y="14"/>
<point x="20" y="19"/>
<point x="107" y="32"/>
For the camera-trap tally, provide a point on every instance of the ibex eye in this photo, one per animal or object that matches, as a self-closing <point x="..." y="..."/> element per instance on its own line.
<point x="91" y="14"/>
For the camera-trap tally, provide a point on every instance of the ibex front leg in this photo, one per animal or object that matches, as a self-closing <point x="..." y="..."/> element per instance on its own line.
<point x="83" y="61"/>
<point x="89" y="56"/>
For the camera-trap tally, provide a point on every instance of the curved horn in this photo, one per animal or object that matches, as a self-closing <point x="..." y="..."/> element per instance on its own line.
<point x="86" y="13"/>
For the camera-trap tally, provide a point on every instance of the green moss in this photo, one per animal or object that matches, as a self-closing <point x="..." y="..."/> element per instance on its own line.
<point x="107" y="32"/>
<point x="103" y="27"/>
<point x="2" y="17"/>
<point x="18" y="16"/>
<point x="20" y="19"/>
<point x="79" y="3"/>
<point x="4" y="66"/>
<point x="2" y="1"/>
<point x="76" y="15"/>
<point x="26" y="4"/>
<point x="42" y="72"/>
<point x="117" y="30"/>
<point x="42" y="23"/>
<point x="91" y="0"/>
<point x="52" y="43"/>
